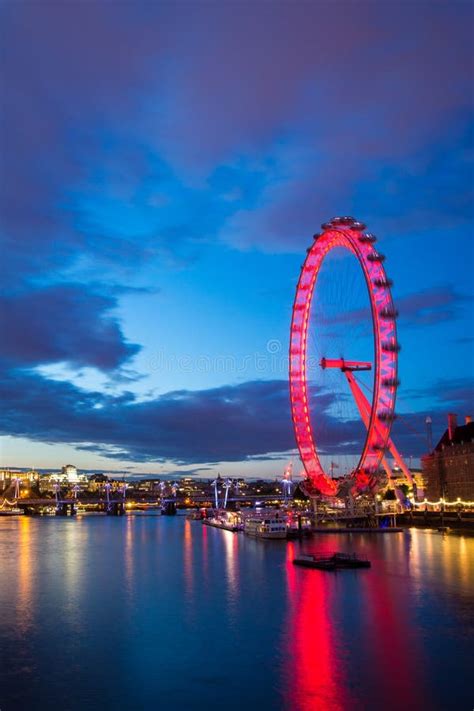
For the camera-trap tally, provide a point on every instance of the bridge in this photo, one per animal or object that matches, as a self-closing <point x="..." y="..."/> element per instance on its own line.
<point x="115" y="506"/>
<point x="63" y="505"/>
<point x="69" y="506"/>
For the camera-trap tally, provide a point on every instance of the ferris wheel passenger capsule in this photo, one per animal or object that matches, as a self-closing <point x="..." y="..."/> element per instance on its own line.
<point x="391" y="347"/>
<point x="346" y="220"/>
<point x="383" y="283"/>
<point x="388" y="313"/>
<point x="390" y="382"/>
<point x="359" y="226"/>
<point x="386" y="416"/>
<point x="376" y="257"/>
<point x="367" y="238"/>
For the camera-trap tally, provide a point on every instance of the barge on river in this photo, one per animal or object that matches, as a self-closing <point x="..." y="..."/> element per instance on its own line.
<point x="335" y="561"/>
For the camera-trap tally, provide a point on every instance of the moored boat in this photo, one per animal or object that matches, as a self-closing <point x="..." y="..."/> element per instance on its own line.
<point x="11" y="512"/>
<point x="196" y="515"/>
<point x="228" y="520"/>
<point x="266" y="526"/>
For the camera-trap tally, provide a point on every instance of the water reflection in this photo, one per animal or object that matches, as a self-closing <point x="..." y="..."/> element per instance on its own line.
<point x="24" y="597"/>
<point x="315" y="675"/>
<point x="256" y="631"/>
<point x="205" y="555"/>
<point x="73" y="544"/>
<point x="128" y="556"/>
<point x="352" y="634"/>
<point x="231" y="547"/>
<point x="466" y="564"/>
<point x="445" y="559"/>
<point x="188" y="562"/>
<point x="392" y="646"/>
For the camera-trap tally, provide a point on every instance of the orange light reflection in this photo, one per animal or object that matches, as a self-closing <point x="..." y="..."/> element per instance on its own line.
<point x="25" y="574"/>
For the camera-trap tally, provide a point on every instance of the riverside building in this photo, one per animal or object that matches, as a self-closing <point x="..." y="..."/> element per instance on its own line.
<point x="448" y="470"/>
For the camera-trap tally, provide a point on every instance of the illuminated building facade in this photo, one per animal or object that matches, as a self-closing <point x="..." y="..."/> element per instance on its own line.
<point x="27" y="479"/>
<point x="448" y="471"/>
<point x="69" y="474"/>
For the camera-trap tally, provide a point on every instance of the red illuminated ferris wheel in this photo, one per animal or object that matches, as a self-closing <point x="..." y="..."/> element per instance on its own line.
<point x="376" y="411"/>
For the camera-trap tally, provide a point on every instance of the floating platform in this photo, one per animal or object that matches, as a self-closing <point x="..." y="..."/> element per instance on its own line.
<point x="336" y="561"/>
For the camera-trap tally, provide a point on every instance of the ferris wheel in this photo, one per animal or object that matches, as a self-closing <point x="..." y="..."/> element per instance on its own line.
<point x="367" y="348"/>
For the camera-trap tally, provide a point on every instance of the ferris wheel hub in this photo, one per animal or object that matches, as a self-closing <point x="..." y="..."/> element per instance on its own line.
<point x="344" y="365"/>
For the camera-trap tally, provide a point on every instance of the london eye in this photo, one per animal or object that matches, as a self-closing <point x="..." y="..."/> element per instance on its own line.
<point x="343" y="360"/>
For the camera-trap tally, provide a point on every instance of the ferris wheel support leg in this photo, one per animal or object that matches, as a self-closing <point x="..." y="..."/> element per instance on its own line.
<point x="364" y="408"/>
<point x="386" y="466"/>
<point x="399" y="460"/>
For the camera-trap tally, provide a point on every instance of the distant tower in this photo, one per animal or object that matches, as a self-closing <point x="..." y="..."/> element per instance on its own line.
<point x="429" y="433"/>
<point x="452" y="424"/>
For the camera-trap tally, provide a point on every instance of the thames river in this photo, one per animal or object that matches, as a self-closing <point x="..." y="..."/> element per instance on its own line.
<point x="150" y="612"/>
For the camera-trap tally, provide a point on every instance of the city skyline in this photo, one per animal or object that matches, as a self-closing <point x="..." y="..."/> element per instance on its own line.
<point x="163" y="185"/>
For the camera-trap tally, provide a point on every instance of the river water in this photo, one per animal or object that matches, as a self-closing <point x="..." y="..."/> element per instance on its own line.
<point x="150" y="612"/>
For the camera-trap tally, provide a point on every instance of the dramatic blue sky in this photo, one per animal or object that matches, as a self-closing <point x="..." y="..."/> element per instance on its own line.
<point x="164" y="166"/>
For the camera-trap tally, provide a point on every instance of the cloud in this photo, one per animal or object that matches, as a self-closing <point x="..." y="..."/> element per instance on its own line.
<point x="457" y="393"/>
<point x="424" y="308"/>
<point x="230" y="423"/>
<point x="431" y="306"/>
<point x="63" y="323"/>
<point x="426" y="187"/>
<point x="185" y="426"/>
<point x="444" y="395"/>
<point x="156" y="93"/>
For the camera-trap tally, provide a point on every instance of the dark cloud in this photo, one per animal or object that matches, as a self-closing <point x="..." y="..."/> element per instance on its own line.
<point x="230" y="423"/>
<point x="454" y="395"/>
<point x="432" y="306"/>
<point x="457" y="393"/>
<point x="227" y="423"/>
<point x="153" y="82"/>
<point x="423" y="308"/>
<point x="185" y="426"/>
<point x="63" y="323"/>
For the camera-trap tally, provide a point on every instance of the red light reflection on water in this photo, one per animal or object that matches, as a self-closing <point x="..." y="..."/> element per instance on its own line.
<point x="337" y="662"/>
<point x="315" y="673"/>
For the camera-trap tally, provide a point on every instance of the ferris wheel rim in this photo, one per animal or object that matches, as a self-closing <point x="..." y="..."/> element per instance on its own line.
<point x="349" y="234"/>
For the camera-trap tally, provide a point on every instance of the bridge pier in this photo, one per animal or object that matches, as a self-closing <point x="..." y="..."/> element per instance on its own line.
<point x="115" y="508"/>
<point x="168" y="508"/>
<point x="65" y="508"/>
